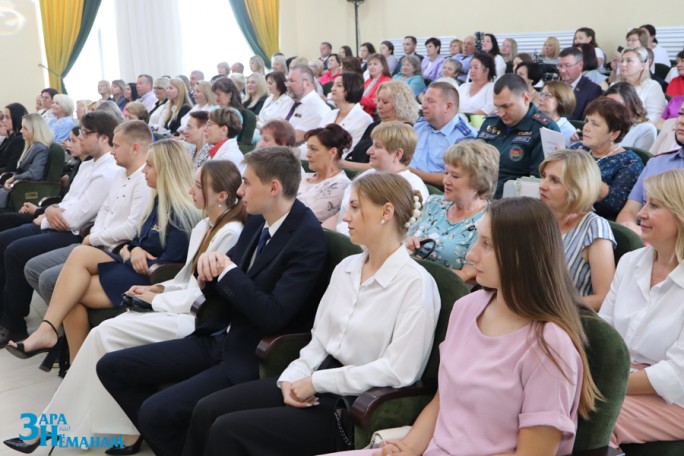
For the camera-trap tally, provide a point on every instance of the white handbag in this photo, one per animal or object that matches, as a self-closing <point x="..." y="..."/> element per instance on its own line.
<point x="522" y="186"/>
<point x="379" y="438"/>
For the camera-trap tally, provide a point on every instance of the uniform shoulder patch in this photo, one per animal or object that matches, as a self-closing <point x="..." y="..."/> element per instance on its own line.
<point x="541" y="118"/>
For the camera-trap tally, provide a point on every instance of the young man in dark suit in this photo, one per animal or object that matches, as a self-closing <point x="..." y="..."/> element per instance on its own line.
<point x="263" y="286"/>
<point x="570" y="65"/>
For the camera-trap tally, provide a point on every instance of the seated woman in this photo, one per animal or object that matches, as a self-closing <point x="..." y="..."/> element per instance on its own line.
<point x="451" y="69"/>
<point x="158" y="112"/>
<point x="223" y="127"/>
<point x="569" y="186"/>
<point x="118" y="89"/>
<point x="551" y="50"/>
<point x="378" y="72"/>
<point x="634" y="70"/>
<point x="31" y="165"/>
<point x="643" y="133"/>
<point x="131" y="92"/>
<point x="477" y="95"/>
<point x="532" y="73"/>
<point x="346" y="93"/>
<point x="472" y="169"/>
<point x="12" y="147"/>
<point x="277" y="132"/>
<point x="179" y="105"/>
<point x="94" y="279"/>
<point x="333" y="71"/>
<point x="588" y="35"/>
<point x="81" y="395"/>
<point x="676" y="86"/>
<point x="491" y="47"/>
<point x="322" y="189"/>
<point x="257" y="65"/>
<point x="196" y="139"/>
<point x="645" y="306"/>
<point x="605" y="126"/>
<point x="590" y="66"/>
<point x="63" y="117"/>
<point x="411" y="74"/>
<point x="557" y="101"/>
<point x="395" y="102"/>
<point x="509" y="49"/>
<point x="204" y="101"/>
<point x="349" y="352"/>
<point x="391" y="151"/>
<point x="386" y="48"/>
<point x="278" y="103"/>
<point x="136" y="111"/>
<point x="526" y="377"/>
<point x="256" y="93"/>
<point x="431" y="65"/>
<point x="671" y="111"/>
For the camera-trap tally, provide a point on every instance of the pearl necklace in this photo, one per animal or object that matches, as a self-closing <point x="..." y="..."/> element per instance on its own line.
<point x="612" y="151"/>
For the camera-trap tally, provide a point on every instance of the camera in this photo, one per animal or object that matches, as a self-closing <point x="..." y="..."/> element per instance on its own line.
<point x="479" y="37"/>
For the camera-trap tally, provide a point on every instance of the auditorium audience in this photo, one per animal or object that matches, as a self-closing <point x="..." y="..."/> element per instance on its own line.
<point x="279" y="64"/>
<point x="501" y="366"/>
<point x="32" y="163"/>
<point x="590" y="66"/>
<point x="178" y="106"/>
<point x="431" y="66"/>
<point x="278" y="103"/>
<point x="642" y="133"/>
<point x="659" y="53"/>
<point x="450" y="220"/>
<point x="144" y="89"/>
<point x="365" y="51"/>
<point x="644" y="306"/>
<point x="131" y="92"/>
<point x="308" y="108"/>
<point x="570" y="184"/>
<point x="455" y="47"/>
<point x="349" y="353"/>
<point x="411" y="74"/>
<point x="386" y="48"/>
<point x="346" y="93"/>
<point x="451" y="69"/>
<point x="62" y="121"/>
<point x="345" y="51"/>
<point x="477" y="95"/>
<point x="334" y="69"/>
<point x="606" y="125"/>
<point x="634" y="70"/>
<point x="204" y="101"/>
<point x="46" y="96"/>
<point x="223" y="68"/>
<point x="550" y="51"/>
<point x="256" y="93"/>
<point x="104" y="89"/>
<point x="322" y="188"/>
<point x="378" y="72"/>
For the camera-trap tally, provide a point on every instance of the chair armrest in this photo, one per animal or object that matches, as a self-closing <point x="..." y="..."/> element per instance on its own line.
<point x="49" y="201"/>
<point x="367" y="403"/>
<point x="603" y="451"/>
<point x="275" y="353"/>
<point x="268" y="345"/>
<point x="161" y="272"/>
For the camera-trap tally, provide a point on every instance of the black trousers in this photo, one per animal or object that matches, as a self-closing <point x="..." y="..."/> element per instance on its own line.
<point x="133" y="377"/>
<point x="251" y="419"/>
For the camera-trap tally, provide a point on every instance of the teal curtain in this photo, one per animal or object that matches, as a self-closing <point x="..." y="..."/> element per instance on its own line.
<point x="90" y="8"/>
<point x="245" y="23"/>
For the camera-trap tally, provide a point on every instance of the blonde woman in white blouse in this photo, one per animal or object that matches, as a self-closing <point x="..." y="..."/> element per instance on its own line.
<point x="322" y="189"/>
<point x="645" y="306"/>
<point x="634" y="69"/>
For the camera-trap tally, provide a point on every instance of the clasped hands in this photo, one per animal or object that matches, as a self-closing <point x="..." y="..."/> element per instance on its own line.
<point x="138" y="257"/>
<point x="210" y="265"/>
<point x="299" y="394"/>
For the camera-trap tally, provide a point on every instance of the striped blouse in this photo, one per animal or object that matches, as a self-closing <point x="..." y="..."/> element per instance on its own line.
<point x="581" y="236"/>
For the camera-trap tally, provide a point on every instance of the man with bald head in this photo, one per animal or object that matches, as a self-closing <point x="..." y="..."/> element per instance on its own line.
<point x="465" y="57"/>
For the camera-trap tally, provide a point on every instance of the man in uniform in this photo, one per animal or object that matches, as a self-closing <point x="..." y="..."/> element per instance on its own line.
<point x="515" y="131"/>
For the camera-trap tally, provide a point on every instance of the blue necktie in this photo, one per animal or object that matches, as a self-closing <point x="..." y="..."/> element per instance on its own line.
<point x="263" y="239"/>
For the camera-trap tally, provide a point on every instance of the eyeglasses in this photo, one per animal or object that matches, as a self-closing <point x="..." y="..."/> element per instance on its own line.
<point x="565" y="66"/>
<point x="85" y="133"/>
<point x="545" y="95"/>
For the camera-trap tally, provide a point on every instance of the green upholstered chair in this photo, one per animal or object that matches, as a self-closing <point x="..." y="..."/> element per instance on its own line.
<point x="245" y="149"/>
<point x="578" y="124"/>
<point x="327" y="87"/>
<point x="249" y="122"/>
<point x="383" y="408"/>
<point x="644" y="155"/>
<point x="626" y="239"/>
<point x="432" y="190"/>
<point x="351" y="174"/>
<point x="674" y="448"/>
<point x="35" y="191"/>
<point x="276" y="352"/>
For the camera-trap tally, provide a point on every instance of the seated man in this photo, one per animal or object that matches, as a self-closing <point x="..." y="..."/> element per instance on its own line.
<point x="515" y="131"/>
<point x="264" y="286"/>
<point x="570" y="66"/>
<point x="656" y="165"/>
<point x="118" y="218"/>
<point x="308" y="109"/>
<point x="58" y="227"/>
<point x="440" y="127"/>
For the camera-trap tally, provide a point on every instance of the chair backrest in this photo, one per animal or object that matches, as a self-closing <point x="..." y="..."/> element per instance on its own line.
<point x="626" y="239"/>
<point x="451" y="289"/>
<point x="661" y="70"/>
<point x="339" y="248"/>
<point x="432" y="190"/>
<point x="351" y="174"/>
<point x="644" y="155"/>
<point x="578" y="124"/>
<point x="249" y="122"/>
<point x="609" y="363"/>
<point x="55" y="164"/>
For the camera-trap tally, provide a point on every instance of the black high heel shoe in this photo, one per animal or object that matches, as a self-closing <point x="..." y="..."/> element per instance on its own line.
<point x="21" y="446"/>
<point x="126" y="450"/>
<point x="20" y="352"/>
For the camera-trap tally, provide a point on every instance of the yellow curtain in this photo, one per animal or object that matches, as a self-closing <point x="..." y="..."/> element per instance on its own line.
<point x="264" y="15"/>
<point x="61" y="25"/>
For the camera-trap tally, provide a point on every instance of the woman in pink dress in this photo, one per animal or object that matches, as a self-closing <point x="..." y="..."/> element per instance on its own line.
<point x="514" y="374"/>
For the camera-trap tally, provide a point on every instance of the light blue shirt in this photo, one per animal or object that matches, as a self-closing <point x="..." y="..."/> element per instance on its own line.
<point x="61" y="128"/>
<point x="656" y="165"/>
<point x="429" y="155"/>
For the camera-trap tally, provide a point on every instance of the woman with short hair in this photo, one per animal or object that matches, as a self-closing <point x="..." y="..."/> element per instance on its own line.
<point x="411" y="74"/>
<point x="570" y="183"/>
<point x="431" y="64"/>
<point x="334" y="69"/>
<point x="223" y="127"/>
<point x="606" y="123"/>
<point x="278" y="103"/>
<point x="378" y="72"/>
<point x="346" y="93"/>
<point x="63" y="120"/>
<point x="387" y="49"/>
<point x="634" y="70"/>
<point x="642" y="134"/>
<point x="158" y="112"/>
<point x="477" y="95"/>
<point x="557" y="101"/>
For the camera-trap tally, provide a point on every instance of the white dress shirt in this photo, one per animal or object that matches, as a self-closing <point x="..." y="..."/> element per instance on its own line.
<point x="230" y="150"/>
<point x="156" y="120"/>
<point x="87" y="193"/>
<point x="483" y="100"/>
<point x="380" y="330"/>
<point x="272" y="110"/>
<point x="355" y="123"/>
<point x="121" y="212"/>
<point x="650" y="320"/>
<point x="148" y="100"/>
<point x="309" y="113"/>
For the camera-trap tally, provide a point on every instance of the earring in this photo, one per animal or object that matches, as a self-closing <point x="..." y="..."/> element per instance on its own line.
<point x="219" y="205"/>
<point x="382" y="222"/>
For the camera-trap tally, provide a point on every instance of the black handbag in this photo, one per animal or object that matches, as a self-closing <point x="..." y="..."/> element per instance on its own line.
<point x="427" y="246"/>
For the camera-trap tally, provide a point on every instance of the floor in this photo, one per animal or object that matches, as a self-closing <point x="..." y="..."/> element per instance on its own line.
<point x="26" y="389"/>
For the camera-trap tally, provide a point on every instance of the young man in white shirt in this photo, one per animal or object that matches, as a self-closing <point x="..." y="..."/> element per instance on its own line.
<point x="120" y="215"/>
